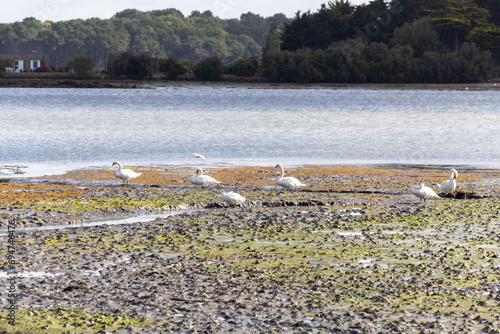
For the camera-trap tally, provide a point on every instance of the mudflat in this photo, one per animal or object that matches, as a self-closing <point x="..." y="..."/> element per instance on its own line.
<point x="352" y="252"/>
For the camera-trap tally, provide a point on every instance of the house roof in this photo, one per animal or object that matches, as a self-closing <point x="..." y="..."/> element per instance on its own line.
<point x="24" y="48"/>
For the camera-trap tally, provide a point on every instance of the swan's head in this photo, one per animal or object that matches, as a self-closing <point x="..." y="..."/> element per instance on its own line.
<point x="277" y="166"/>
<point x="454" y="174"/>
<point x="199" y="171"/>
<point x="115" y="163"/>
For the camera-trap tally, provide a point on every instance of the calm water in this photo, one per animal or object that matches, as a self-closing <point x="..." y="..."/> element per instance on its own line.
<point x="82" y="127"/>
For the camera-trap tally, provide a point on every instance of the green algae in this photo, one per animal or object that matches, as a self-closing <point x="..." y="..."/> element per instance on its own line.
<point x="65" y="320"/>
<point x="438" y="257"/>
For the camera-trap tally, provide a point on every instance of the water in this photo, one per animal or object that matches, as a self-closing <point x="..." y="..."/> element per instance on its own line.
<point x="59" y="128"/>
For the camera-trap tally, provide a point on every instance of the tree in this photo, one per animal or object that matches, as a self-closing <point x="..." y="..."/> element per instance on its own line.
<point x="273" y="41"/>
<point x="420" y="35"/>
<point x="458" y="18"/>
<point x="3" y="64"/>
<point x="208" y="69"/>
<point x="488" y="38"/>
<point x="82" y="65"/>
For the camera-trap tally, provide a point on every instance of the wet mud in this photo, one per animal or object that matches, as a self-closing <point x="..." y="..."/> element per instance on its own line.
<point x="353" y="252"/>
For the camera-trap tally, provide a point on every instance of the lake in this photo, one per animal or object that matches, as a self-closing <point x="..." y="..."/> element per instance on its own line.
<point x="71" y="128"/>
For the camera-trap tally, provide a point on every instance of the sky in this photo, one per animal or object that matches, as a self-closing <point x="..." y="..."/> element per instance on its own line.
<point x="63" y="10"/>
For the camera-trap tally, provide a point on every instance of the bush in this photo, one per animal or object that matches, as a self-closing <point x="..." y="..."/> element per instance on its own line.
<point x="139" y="67"/>
<point x="208" y="69"/>
<point x="245" y="67"/>
<point x="172" y="67"/>
<point x="82" y="65"/>
<point x="44" y="68"/>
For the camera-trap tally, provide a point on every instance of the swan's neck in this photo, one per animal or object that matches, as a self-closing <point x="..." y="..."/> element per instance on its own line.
<point x="119" y="166"/>
<point x="282" y="172"/>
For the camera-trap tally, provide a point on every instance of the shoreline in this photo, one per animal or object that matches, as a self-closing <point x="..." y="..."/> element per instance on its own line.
<point x="58" y="80"/>
<point x="16" y="171"/>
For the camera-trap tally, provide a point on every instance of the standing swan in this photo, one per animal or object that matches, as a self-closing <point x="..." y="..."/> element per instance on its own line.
<point x="125" y="174"/>
<point x="202" y="180"/>
<point x="423" y="192"/>
<point x="287" y="182"/>
<point x="450" y="185"/>
<point x="233" y="198"/>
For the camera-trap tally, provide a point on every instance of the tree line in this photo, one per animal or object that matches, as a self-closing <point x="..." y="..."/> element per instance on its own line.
<point x="159" y="33"/>
<point x="401" y="41"/>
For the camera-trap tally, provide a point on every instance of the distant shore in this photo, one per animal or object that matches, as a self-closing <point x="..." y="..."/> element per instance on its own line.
<point x="65" y="80"/>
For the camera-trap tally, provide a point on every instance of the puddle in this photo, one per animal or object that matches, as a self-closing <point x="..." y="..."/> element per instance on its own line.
<point x="130" y="220"/>
<point x="30" y="274"/>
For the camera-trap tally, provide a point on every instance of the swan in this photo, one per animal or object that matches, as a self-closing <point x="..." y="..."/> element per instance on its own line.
<point x="449" y="186"/>
<point x="287" y="182"/>
<point x="124" y="174"/>
<point x="233" y="198"/>
<point x="202" y="180"/>
<point x="196" y="155"/>
<point x="423" y="192"/>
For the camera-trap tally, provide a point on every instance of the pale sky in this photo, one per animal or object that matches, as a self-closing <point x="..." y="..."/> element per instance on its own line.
<point x="62" y="10"/>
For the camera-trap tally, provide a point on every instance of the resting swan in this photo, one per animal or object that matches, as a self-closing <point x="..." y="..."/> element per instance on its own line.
<point x="233" y="198"/>
<point x="202" y="180"/>
<point x="450" y="185"/>
<point x="287" y="182"/>
<point x="125" y="174"/>
<point x="423" y="192"/>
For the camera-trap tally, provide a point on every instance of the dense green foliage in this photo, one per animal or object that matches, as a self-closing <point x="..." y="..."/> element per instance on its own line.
<point x="244" y="67"/>
<point x="401" y="41"/>
<point x="398" y="41"/>
<point x="5" y="63"/>
<point x="172" y="67"/>
<point x="139" y="67"/>
<point x="82" y="65"/>
<point x="352" y="61"/>
<point x="208" y="69"/>
<point x="160" y="33"/>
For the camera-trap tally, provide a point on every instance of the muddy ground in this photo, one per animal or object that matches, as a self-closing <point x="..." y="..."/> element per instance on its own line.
<point x="353" y="252"/>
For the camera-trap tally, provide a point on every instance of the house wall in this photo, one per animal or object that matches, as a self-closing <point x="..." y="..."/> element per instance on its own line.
<point x="44" y="60"/>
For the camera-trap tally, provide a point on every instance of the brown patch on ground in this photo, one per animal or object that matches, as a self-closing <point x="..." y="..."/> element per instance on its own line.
<point x="334" y="178"/>
<point x="10" y="193"/>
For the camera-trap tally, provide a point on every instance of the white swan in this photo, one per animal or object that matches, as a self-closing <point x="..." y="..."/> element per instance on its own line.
<point x="124" y="174"/>
<point x="202" y="180"/>
<point x="233" y="198"/>
<point x="287" y="182"/>
<point x="450" y="185"/>
<point x="196" y="155"/>
<point x="423" y="192"/>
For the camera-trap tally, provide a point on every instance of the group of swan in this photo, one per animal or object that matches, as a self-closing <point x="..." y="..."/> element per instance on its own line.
<point x="200" y="179"/>
<point x="421" y="191"/>
<point x="446" y="187"/>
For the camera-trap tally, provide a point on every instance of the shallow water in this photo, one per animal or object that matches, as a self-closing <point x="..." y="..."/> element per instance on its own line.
<point x="130" y="220"/>
<point x="53" y="129"/>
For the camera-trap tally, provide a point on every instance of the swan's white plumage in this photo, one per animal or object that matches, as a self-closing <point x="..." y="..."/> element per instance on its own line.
<point x="287" y="182"/>
<point x="125" y="174"/>
<point x="199" y="156"/>
<point x="423" y="192"/>
<point x="450" y="185"/>
<point x="233" y="198"/>
<point x="202" y="180"/>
